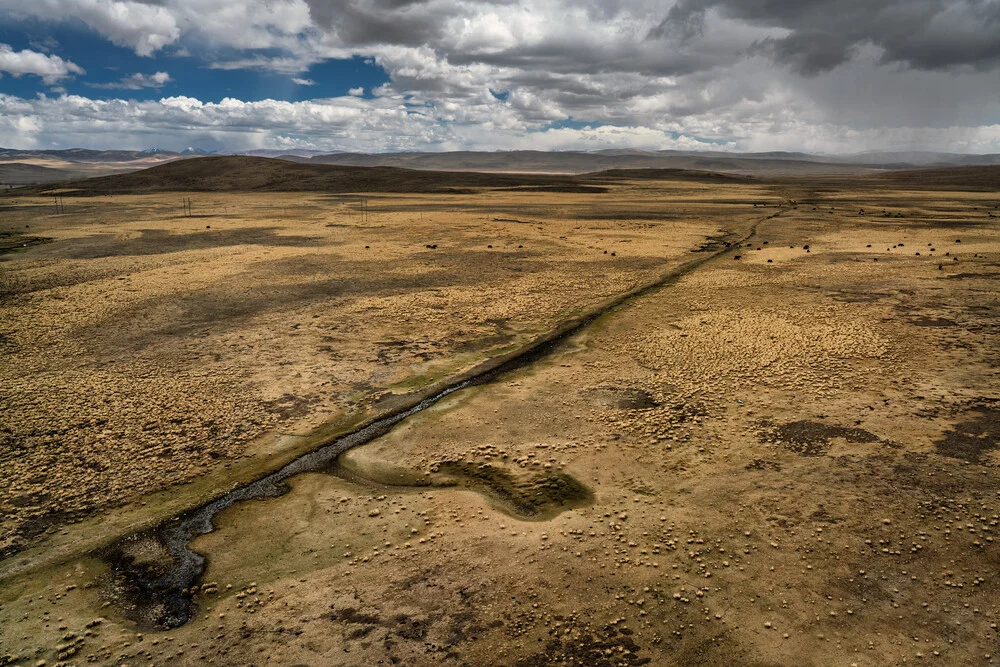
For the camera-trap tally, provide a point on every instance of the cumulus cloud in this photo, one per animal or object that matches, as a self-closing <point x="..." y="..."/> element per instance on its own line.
<point x="391" y="123"/>
<point x="761" y="74"/>
<point x="143" y="27"/>
<point x="50" y="68"/>
<point x="136" y="82"/>
<point x="280" y="64"/>
<point x="820" y="35"/>
<point x="303" y="82"/>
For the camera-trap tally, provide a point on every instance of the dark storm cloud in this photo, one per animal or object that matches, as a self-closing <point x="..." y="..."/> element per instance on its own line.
<point x="361" y="22"/>
<point x="822" y="34"/>
<point x="851" y="74"/>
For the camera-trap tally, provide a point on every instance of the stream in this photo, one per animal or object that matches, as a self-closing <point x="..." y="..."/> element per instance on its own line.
<point x="157" y="592"/>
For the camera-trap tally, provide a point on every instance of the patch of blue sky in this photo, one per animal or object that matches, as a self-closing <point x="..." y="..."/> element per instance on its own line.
<point x="572" y="124"/>
<point x="109" y="67"/>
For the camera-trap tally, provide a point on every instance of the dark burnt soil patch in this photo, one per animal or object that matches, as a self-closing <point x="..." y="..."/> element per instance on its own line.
<point x="970" y="439"/>
<point x="609" y="646"/>
<point x="624" y="398"/>
<point x="532" y="497"/>
<point x="808" y="438"/>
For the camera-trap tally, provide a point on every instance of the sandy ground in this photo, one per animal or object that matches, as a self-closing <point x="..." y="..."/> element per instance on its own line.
<point x="790" y="457"/>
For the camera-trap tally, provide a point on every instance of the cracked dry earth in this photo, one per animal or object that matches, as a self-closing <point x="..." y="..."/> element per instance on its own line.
<point x="789" y="458"/>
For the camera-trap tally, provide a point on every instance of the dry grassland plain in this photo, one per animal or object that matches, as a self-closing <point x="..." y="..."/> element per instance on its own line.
<point x="782" y="455"/>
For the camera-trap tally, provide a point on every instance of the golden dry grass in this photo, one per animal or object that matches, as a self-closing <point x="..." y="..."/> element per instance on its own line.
<point x="793" y="461"/>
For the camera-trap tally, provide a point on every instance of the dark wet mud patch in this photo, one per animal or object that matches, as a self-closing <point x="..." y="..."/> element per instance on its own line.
<point x="535" y="496"/>
<point x="624" y="398"/>
<point x="808" y="438"/>
<point x="387" y="478"/>
<point x="610" y="646"/>
<point x="713" y="244"/>
<point x="977" y="435"/>
<point x="10" y="243"/>
<point x="139" y="586"/>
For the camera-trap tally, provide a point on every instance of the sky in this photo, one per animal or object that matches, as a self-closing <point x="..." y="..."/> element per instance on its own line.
<point x="821" y="76"/>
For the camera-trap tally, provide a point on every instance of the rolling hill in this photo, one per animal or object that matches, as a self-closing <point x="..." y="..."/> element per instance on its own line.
<point x="259" y="174"/>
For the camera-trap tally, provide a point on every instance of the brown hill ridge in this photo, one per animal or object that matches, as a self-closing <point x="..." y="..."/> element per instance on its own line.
<point x="257" y="174"/>
<point x="949" y="178"/>
<point x="261" y="174"/>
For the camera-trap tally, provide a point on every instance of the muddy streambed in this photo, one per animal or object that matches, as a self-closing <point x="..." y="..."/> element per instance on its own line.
<point x="153" y="574"/>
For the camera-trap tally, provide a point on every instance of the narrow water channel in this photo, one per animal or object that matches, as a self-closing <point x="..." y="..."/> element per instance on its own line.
<point x="156" y="591"/>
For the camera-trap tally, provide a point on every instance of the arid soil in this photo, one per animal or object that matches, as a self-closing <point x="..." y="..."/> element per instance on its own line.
<point x="143" y="348"/>
<point x="785" y="456"/>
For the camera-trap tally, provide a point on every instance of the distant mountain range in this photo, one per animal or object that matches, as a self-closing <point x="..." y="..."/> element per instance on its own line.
<point x="49" y="166"/>
<point x="232" y="173"/>
<point x="771" y="164"/>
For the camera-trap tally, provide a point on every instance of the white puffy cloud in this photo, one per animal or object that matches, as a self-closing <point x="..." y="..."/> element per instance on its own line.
<point x="141" y="26"/>
<point x="50" y="68"/>
<point x="390" y="123"/>
<point x="280" y="64"/>
<point x="137" y="81"/>
<point x="303" y="82"/>
<point x="766" y="74"/>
